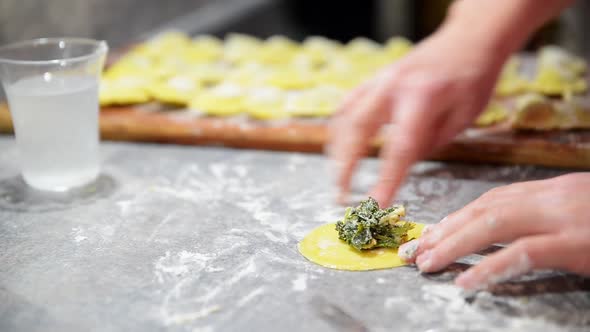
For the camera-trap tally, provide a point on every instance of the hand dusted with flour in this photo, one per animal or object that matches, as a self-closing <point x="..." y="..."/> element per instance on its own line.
<point x="547" y="222"/>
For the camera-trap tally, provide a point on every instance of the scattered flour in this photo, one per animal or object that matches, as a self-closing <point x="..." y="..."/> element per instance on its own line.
<point x="218" y="170"/>
<point x="157" y="228"/>
<point x="277" y="228"/>
<point x="203" y="329"/>
<point x="462" y="310"/>
<point x="325" y="244"/>
<point x="187" y="299"/>
<point x="300" y="284"/>
<point x="124" y="206"/>
<point x="80" y="238"/>
<point x="247" y="268"/>
<point x="187" y="317"/>
<point x="329" y="214"/>
<point x="240" y="170"/>
<point x="173" y="266"/>
<point x="78" y="235"/>
<point x="393" y="302"/>
<point x="251" y="296"/>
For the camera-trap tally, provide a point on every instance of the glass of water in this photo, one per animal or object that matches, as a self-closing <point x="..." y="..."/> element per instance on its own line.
<point x="51" y="85"/>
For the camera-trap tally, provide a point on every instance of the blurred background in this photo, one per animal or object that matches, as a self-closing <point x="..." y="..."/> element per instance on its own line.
<point x="123" y="21"/>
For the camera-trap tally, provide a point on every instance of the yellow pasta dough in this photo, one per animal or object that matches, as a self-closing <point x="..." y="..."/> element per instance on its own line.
<point x="124" y="90"/>
<point x="290" y="79"/>
<point x="276" y="49"/>
<point x="397" y="47"/>
<point x="131" y="65"/>
<point x="239" y="47"/>
<point x="317" y="102"/>
<point x="361" y="47"/>
<point x="175" y="90"/>
<point x="511" y="81"/>
<point x="168" y="42"/>
<point x="322" y="246"/>
<point x="553" y="81"/>
<point x="222" y="100"/>
<point x="204" y="49"/>
<point x="494" y="113"/>
<point x="319" y="50"/>
<point x="265" y="103"/>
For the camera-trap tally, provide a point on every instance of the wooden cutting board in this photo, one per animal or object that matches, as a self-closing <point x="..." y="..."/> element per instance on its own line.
<point x="148" y="123"/>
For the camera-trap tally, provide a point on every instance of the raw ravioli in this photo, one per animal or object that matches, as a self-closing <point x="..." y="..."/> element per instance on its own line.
<point x="322" y="246"/>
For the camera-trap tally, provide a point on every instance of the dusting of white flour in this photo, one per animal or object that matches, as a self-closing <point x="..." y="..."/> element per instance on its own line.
<point x="300" y="283"/>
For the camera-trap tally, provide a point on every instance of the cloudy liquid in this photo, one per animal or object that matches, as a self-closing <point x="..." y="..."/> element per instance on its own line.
<point x="56" y="127"/>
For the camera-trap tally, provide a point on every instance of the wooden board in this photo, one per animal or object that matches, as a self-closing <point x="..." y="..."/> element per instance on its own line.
<point x="147" y="123"/>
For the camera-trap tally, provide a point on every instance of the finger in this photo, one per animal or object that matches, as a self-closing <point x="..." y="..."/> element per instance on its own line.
<point x="349" y="106"/>
<point x="453" y="125"/>
<point x="351" y="138"/>
<point x="352" y="98"/>
<point x="409" y="250"/>
<point x="495" y="199"/>
<point x="345" y="170"/>
<point x="468" y="105"/>
<point x="504" y="265"/>
<point x="563" y="251"/>
<point x="344" y="157"/>
<point x="342" y="116"/>
<point x="500" y="224"/>
<point x="402" y="147"/>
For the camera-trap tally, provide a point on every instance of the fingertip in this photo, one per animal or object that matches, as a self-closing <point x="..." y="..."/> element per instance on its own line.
<point x="431" y="236"/>
<point x="407" y="251"/>
<point x="342" y="198"/>
<point x="382" y="195"/>
<point x="344" y="180"/>
<point x="391" y="175"/>
<point x="351" y="98"/>
<point x="386" y="188"/>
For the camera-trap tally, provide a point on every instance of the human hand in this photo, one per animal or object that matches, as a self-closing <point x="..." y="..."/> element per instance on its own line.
<point x="548" y="222"/>
<point x="428" y="97"/>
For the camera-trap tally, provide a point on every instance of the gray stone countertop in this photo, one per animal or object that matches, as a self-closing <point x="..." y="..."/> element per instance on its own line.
<point x="205" y="239"/>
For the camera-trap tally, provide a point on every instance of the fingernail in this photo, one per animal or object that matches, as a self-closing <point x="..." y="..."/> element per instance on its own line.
<point x="469" y="280"/>
<point x="407" y="251"/>
<point x="424" y="261"/>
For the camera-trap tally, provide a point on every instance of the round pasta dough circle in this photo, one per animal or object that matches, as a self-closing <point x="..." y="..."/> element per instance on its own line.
<point x="322" y="246"/>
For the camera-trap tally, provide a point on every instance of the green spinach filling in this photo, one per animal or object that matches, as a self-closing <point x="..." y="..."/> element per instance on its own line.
<point x="367" y="226"/>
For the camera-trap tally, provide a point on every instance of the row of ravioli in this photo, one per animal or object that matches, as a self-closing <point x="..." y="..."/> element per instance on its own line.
<point x="279" y="77"/>
<point x="274" y="78"/>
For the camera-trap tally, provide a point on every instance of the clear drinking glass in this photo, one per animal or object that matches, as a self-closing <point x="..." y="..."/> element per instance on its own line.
<point x="52" y="89"/>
